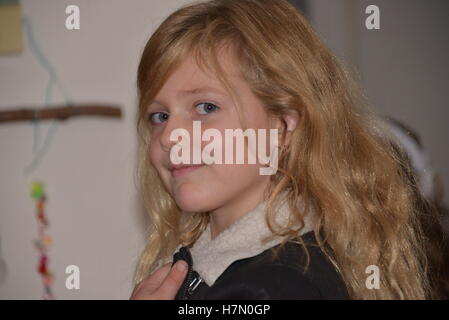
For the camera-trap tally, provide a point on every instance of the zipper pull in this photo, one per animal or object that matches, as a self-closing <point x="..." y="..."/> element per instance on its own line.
<point x="194" y="284"/>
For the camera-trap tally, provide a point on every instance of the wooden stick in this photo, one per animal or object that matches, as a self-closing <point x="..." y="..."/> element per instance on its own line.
<point x="60" y="112"/>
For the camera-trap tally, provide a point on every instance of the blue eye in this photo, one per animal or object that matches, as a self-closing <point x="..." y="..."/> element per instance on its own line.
<point x="206" y="107"/>
<point x="157" y="117"/>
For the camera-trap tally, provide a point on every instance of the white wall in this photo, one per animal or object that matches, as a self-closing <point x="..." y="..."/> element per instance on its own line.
<point x="95" y="217"/>
<point x="403" y="67"/>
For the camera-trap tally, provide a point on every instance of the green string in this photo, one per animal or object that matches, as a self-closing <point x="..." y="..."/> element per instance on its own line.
<point x="39" y="152"/>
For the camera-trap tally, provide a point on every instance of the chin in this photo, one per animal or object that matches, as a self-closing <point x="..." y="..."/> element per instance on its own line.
<point x="191" y="200"/>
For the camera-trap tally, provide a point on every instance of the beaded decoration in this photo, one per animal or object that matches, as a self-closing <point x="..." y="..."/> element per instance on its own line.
<point x="44" y="240"/>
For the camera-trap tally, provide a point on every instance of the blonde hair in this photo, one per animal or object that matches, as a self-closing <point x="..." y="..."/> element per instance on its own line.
<point x="337" y="162"/>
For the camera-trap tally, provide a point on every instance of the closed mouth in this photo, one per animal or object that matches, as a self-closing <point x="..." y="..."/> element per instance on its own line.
<point x="183" y="169"/>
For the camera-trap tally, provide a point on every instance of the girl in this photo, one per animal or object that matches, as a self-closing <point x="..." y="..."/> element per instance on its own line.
<point x="335" y="221"/>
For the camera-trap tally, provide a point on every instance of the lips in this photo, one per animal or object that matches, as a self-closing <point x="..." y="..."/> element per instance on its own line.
<point x="178" y="170"/>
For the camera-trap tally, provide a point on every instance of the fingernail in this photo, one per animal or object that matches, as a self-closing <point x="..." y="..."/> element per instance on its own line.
<point x="181" y="266"/>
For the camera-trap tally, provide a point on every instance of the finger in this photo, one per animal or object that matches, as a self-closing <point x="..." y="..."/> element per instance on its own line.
<point x="173" y="281"/>
<point x="154" y="280"/>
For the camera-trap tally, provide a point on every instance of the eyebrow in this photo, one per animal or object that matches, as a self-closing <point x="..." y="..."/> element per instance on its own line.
<point x="201" y="90"/>
<point x="194" y="91"/>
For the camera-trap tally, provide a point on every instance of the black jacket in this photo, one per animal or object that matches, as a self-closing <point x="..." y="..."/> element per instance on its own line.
<point x="265" y="276"/>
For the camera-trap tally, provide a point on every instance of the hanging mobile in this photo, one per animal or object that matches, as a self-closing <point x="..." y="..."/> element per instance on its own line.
<point x="44" y="240"/>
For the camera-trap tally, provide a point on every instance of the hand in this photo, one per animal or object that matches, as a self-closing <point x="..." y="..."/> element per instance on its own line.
<point x="163" y="284"/>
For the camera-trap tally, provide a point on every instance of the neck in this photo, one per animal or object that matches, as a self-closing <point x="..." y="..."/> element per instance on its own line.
<point x="224" y="216"/>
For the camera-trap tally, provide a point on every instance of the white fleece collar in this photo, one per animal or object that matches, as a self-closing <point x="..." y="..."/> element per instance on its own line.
<point x="239" y="241"/>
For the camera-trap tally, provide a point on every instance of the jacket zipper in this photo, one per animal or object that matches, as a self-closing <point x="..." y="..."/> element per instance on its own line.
<point x="192" y="282"/>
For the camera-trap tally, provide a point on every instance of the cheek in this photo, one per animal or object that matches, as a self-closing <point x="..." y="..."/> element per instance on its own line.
<point x="233" y="177"/>
<point x="154" y="151"/>
<point x="156" y="158"/>
<point x="153" y="154"/>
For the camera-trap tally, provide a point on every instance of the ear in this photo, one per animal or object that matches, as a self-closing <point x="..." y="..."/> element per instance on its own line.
<point x="286" y="124"/>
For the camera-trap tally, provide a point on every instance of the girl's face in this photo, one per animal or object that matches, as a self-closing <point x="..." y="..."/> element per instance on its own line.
<point x="191" y="95"/>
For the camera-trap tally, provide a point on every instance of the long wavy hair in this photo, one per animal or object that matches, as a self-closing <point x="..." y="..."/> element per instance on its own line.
<point x="338" y="162"/>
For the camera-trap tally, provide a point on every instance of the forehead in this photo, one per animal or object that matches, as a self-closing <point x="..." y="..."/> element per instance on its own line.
<point x="191" y="78"/>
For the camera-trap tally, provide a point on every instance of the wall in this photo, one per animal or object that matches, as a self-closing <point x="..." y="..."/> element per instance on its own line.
<point x="403" y="67"/>
<point x="88" y="168"/>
